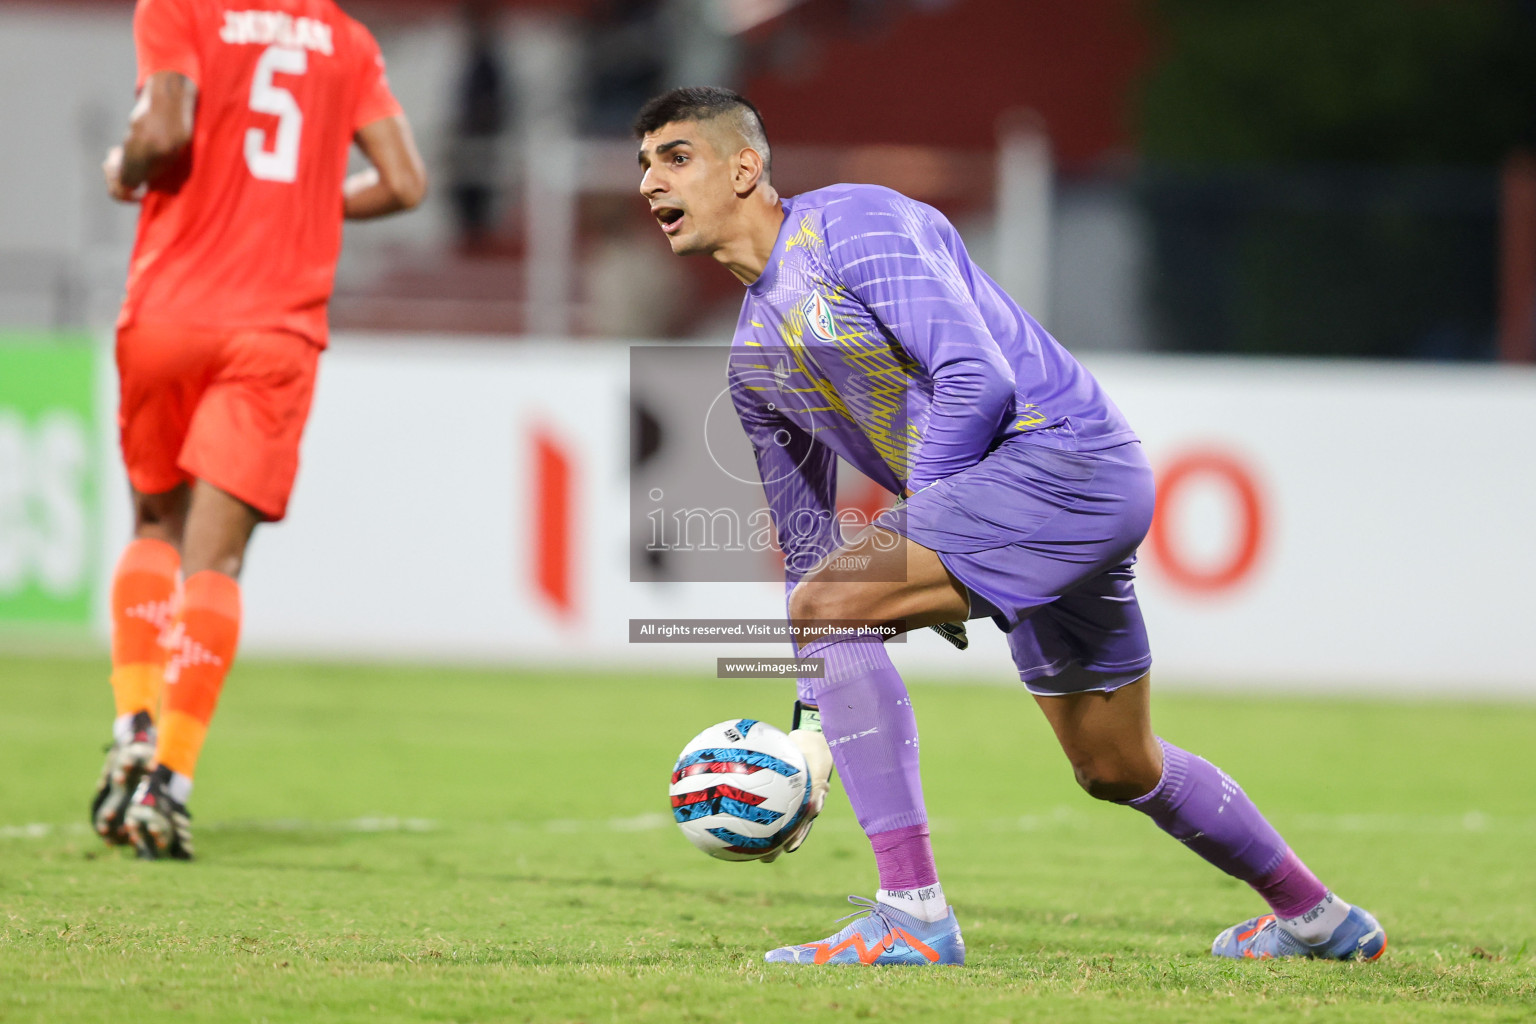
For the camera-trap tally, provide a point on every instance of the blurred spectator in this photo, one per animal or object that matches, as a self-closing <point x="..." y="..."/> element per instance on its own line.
<point x="482" y="100"/>
<point x="625" y="63"/>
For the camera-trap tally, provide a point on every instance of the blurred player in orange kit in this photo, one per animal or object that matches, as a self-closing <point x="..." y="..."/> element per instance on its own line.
<point x="237" y="151"/>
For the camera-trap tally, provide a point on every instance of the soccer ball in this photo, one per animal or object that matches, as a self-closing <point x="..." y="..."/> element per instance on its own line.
<point x="739" y="788"/>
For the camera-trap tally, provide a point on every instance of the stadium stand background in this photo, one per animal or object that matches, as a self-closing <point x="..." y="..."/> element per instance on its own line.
<point x="1215" y="209"/>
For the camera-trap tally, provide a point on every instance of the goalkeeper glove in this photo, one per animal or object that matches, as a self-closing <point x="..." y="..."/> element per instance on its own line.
<point x="806" y="734"/>
<point x="954" y="632"/>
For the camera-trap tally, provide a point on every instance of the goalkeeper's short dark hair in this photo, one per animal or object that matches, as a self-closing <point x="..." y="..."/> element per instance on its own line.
<point x="706" y="103"/>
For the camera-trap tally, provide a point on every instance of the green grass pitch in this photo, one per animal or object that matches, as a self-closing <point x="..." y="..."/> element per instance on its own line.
<point x="385" y="844"/>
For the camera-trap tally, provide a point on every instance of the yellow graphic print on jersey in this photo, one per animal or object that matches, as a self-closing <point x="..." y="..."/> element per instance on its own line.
<point x="874" y="398"/>
<point x="1029" y="417"/>
<point x="805" y="236"/>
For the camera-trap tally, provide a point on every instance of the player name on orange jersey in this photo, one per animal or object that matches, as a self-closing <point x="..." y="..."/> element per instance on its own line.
<point x="276" y="28"/>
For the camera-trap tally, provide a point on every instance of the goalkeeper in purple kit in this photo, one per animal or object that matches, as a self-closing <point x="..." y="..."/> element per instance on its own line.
<point x="868" y="333"/>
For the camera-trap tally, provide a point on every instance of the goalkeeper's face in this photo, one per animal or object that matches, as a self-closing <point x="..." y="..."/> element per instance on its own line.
<point x="693" y="180"/>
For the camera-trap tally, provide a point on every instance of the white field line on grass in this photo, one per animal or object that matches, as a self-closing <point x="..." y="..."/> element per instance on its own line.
<point x="1059" y="819"/>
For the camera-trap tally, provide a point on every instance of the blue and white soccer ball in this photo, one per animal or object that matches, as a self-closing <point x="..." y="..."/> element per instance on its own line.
<point x="739" y="788"/>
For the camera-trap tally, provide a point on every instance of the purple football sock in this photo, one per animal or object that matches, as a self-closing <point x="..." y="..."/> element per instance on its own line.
<point x="867" y="718"/>
<point x="904" y="857"/>
<point x="1200" y="806"/>
<point x="1291" y="889"/>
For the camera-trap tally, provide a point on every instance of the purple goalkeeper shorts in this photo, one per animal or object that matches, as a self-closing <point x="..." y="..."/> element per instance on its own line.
<point x="1044" y="540"/>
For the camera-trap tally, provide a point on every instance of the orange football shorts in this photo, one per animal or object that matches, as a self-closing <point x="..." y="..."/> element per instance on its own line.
<point x="227" y="407"/>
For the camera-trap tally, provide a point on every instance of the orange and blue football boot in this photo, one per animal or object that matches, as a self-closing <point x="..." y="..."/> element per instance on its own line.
<point x="881" y="935"/>
<point x="1358" y="937"/>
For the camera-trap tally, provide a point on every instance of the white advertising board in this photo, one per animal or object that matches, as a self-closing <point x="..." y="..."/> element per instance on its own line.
<point x="1326" y="526"/>
<point x="1338" y="525"/>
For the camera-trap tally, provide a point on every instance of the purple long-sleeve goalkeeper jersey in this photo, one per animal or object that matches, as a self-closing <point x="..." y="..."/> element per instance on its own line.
<point x="871" y="335"/>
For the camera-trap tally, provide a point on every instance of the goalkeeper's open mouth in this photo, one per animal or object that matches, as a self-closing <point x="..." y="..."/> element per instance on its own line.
<point x="670" y="218"/>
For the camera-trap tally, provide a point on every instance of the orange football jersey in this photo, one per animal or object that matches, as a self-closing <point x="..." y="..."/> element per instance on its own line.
<point x="246" y="231"/>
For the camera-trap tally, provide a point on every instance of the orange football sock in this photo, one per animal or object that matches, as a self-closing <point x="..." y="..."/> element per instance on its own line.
<point x="143" y="595"/>
<point x="203" y="641"/>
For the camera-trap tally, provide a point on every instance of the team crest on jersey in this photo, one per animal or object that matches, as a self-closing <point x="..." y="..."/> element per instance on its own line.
<point x="818" y="317"/>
